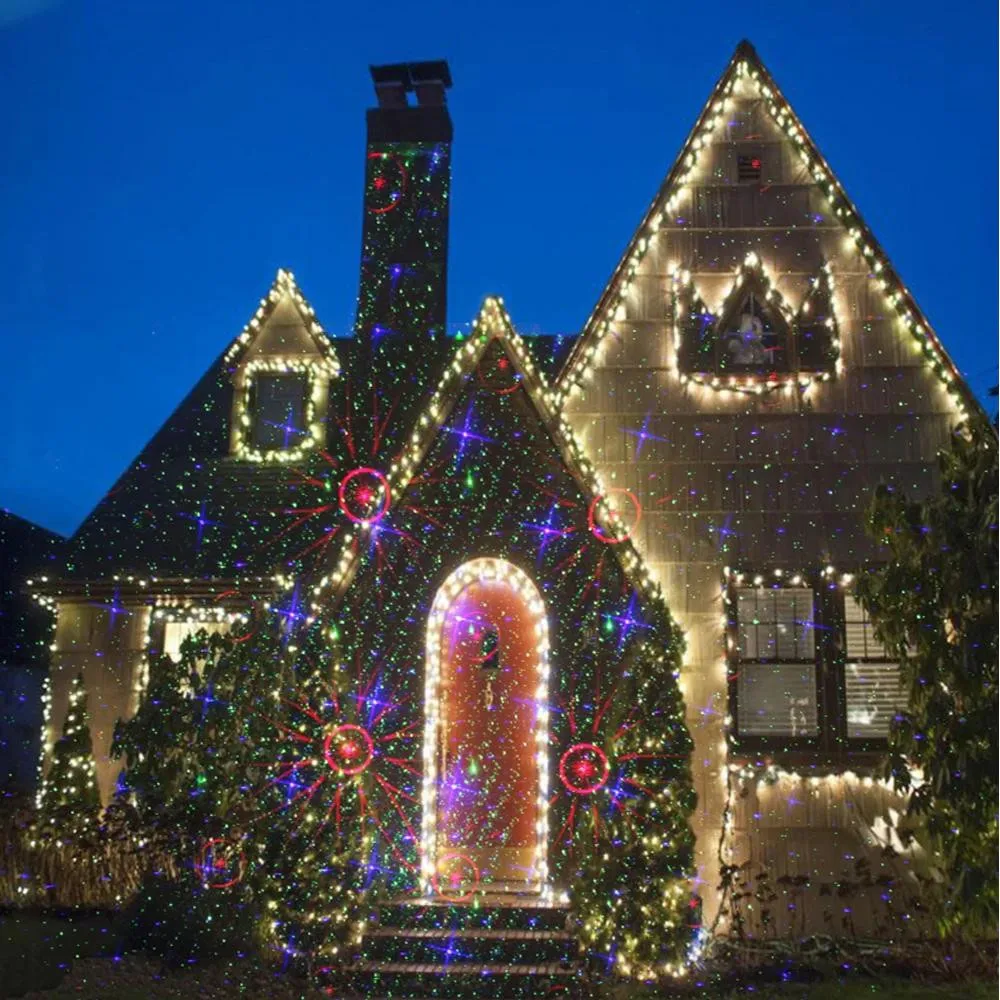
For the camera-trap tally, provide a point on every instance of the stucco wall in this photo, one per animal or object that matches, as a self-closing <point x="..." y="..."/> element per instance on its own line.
<point x="105" y="642"/>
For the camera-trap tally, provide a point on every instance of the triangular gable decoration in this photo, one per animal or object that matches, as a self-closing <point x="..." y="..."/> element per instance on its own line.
<point x="284" y="287"/>
<point x="755" y="334"/>
<point x="746" y="68"/>
<point x="492" y="326"/>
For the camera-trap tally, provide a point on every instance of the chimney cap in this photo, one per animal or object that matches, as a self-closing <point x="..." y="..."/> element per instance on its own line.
<point x="409" y="75"/>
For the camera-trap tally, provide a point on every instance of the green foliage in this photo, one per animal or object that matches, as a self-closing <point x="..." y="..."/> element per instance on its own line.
<point x="181" y="921"/>
<point x="70" y="802"/>
<point x="934" y="604"/>
<point x="630" y="893"/>
<point x="202" y="752"/>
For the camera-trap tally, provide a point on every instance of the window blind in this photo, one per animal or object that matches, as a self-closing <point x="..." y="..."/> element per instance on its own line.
<point x="874" y="696"/>
<point x="777" y="699"/>
<point x="859" y="632"/>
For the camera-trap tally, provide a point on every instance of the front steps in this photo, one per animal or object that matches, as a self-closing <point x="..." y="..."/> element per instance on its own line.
<point x="496" y="945"/>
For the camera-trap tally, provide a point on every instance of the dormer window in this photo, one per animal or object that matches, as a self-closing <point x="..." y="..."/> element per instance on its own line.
<point x="278" y="411"/>
<point x="281" y="365"/>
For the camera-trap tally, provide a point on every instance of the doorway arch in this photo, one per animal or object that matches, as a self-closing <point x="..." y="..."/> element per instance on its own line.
<point x="486" y="731"/>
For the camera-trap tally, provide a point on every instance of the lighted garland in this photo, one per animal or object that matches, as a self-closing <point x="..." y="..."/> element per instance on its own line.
<point x="611" y="308"/>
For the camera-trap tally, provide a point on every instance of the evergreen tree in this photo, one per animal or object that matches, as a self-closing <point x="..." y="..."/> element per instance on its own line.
<point x="934" y="604"/>
<point x="213" y="756"/>
<point x="69" y="803"/>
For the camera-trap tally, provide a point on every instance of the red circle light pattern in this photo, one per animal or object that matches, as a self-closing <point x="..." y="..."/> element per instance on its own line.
<point x="388" y="183"/>
<point x="363" y="495"/>
<point x="598" y="532"/>
<point x="216" y="864"/>
<point x="456" y="878"/>
<point x="584" y="769"/>
<point x="498" y="375"/>
<point x="348" y="749"/>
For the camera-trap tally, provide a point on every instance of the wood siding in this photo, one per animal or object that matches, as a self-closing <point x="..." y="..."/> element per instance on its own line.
<point x="777" y="480"/>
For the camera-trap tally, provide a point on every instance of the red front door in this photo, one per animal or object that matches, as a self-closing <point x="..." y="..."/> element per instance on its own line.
<point x="487" y="799"/>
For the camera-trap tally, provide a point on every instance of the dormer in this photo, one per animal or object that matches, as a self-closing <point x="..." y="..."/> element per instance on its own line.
<point x="281" y="366"/>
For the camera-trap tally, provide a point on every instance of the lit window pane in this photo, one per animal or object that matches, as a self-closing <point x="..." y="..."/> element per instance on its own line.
<point x="279" y="411"/>
<point x="174" y="633"/>
<point x="874" y="696"/>
<point x="859" y="632"/>
<point x="777" y="699"/>
<point x="776" y="624"/>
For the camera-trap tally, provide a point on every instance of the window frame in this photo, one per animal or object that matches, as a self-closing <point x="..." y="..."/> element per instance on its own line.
<point x="253" y="408"/>
<point x="831" y="742"/>
<point x="243" y="421"/>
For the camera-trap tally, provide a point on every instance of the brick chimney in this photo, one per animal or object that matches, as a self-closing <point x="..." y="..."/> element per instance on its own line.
<point x="403" y="290"/>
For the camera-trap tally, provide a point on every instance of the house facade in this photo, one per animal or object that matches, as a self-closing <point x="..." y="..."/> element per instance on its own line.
<point x="753" y="369"/>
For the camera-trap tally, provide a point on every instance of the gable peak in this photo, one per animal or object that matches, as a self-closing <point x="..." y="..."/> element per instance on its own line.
<point x="746" y="70"/>
<point x="284" y="289"/>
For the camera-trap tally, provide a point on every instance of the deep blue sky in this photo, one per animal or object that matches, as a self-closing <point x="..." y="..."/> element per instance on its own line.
<point x="161" y="159"/>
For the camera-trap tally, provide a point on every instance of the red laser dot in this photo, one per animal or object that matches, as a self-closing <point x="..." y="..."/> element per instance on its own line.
<point x="584" y="769"/>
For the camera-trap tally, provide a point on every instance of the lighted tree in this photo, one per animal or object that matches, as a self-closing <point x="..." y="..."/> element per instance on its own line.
<point x="213" y="755"/>
<point x="631" y="893"/>
<point x="70" y="803"/>
<point x="934" y="604"/>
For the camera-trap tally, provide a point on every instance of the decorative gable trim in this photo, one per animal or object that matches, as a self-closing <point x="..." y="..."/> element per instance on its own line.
<point x="690" y="311"/>
<point x="318" y="369"/>
<point x="283" y="286"/>
<point x="746" y="65"/>
<point x="492" y="323"/>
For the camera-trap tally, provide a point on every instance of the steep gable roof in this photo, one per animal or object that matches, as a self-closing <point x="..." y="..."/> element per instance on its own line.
<point x="492" y="329"/>
<point x="280" y="308"/>
<point x="746" y="67"/>
<point x="183" y="508"/>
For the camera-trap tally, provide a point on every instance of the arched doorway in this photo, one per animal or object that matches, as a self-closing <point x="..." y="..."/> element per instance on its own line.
<point x="486" y="731"/>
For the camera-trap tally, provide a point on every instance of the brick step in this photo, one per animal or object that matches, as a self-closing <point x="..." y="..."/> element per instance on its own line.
<point x="513" y="914"/>
<point x="487" y="945"/>
<point x="455" y="980"/>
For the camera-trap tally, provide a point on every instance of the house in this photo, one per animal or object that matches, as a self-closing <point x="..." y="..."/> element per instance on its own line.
<point x="752" y="370"/>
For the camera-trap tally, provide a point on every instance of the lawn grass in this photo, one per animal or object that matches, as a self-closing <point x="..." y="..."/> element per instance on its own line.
<point x="848" y="989"/>
<point x="36" y="950"/>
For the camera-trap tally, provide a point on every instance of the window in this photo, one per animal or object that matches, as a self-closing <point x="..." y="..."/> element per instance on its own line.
<point x="872" y="691"/>
<point x="754" y="335"/>
<point x="279" y="408"/>
<point x="776" y="679"/>
<point x="748" y="168"/>
<point x="805" y="669"/>
<point x="752" y="338"/>
<point x="174" y="633"/>
<point x="278" y="404"/>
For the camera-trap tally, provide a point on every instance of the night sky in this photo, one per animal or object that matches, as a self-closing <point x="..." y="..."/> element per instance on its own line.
<point x="161" y="160"/>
